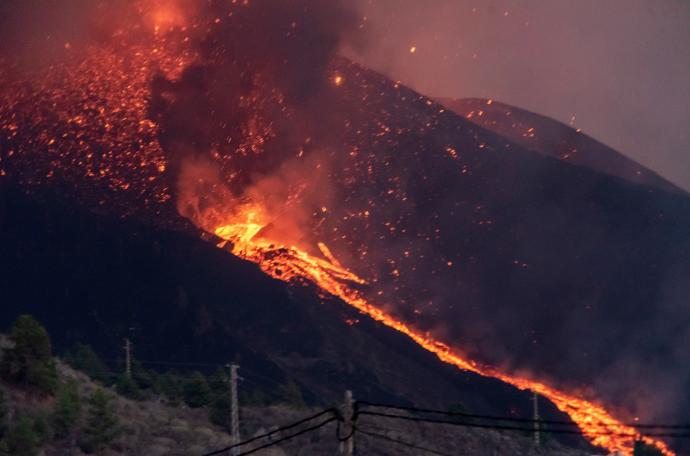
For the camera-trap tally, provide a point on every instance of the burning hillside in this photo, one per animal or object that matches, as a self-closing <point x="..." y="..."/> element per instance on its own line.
<point x="239" y="116"/>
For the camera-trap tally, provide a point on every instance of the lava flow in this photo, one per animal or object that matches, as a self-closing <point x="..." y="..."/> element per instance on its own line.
<point x="229" y="93"/>
<point x="291" y="263"/>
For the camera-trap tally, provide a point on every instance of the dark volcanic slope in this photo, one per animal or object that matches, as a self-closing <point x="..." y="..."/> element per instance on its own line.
<point x="512" y="257"/>
<point x="555" y="139"/>
<point x="91" y="279"/>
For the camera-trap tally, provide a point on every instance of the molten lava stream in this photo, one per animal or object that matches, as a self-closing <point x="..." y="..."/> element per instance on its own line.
<point x="292" y="263"/>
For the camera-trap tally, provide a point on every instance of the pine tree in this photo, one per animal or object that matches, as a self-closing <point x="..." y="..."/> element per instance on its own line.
<point x="30" y="361"/>
<point x="170" y="386"/>
<point x="196" y="391"/>
<point x="22" y="439"/>
<point x="292" y="395"/>
<point x="101" y="426"/>
<point x="82" y="357"/>
<point x="67" y="409"/>
<point x="128" y="388"/>
<point x="218" y="382"/>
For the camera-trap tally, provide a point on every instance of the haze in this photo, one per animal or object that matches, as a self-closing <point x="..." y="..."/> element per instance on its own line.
<point x="619" y="69"/>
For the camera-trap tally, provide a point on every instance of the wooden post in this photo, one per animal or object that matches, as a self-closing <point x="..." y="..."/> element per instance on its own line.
<point x="347" y="447"/>
<point x="234" y="410"/>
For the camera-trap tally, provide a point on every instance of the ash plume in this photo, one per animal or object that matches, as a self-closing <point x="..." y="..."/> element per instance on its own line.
<point x="244" y="110"/>
<point x="260" y="93"/>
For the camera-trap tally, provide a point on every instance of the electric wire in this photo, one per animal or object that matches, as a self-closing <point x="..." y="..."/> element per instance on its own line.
<point x="268" y="434"/>
<point x="288" y="437"/>
<point x="518" y="420"/>
<point x="401" y="442"/>
<point x="516" y="428"/>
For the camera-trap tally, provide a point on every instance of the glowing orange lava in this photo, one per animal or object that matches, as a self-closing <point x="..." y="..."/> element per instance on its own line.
<point x="289" y="263"/>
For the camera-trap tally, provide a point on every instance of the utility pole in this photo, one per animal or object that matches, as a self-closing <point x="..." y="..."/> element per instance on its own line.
<point x="128" y="358"/>
<point x="234" y="410"/>
<point x="535" y="417"/>
<point x="347" y="447"/>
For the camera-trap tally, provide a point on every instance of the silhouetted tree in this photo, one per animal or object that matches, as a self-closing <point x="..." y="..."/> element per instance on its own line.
<point x="22" y="439"/>
<point x="29" y="362"/>
<point x="128" y="388"/>
<point x="291" y="394"/>
<point x="144" y="378"/>
<point x="83" y="358"/>
<point x="101" y="425"/>
<point x="196" y="391"/>
<point x="67" y="409"/>
<point x="42" y="426"/>
<point x="218" y="382"/>
<point x="169" y="385"/>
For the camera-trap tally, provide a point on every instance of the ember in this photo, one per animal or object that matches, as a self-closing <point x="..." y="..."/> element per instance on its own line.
<point x="298" y="177"/>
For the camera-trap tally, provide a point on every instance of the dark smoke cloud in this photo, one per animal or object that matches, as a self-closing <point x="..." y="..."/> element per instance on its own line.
<point x="383" y="151"/>
<point x="620" y="68"/>
<point x="264" y="62"/>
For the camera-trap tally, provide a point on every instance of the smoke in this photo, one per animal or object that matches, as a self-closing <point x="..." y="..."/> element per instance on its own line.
<point x="618" y="69"/>
<point x="41" y="32"/>
<point x="517" y="260"/>
<point x="257" y="95"/>
<point x="249" y="129"/>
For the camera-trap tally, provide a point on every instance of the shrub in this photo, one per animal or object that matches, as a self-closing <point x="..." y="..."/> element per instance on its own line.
<point x="67" y="409"/>
<point x="196" y="391"/>
<point x="219" y="413"/>
<point x="169" y="385"/>
<point x="128" y="388"/>
<point x="101" y="425"/>
<point x="30" y="361"/>
<point x="22" y="439"/>
<point x="290" y="394"/>
<point x="83" y="358"/>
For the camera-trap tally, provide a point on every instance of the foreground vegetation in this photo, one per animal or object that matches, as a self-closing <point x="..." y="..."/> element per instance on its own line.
<point x="80" y="405"/>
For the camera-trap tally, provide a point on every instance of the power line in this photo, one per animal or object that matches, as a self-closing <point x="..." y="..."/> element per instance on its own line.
<point x="268" y="434"/>
<point x="401" y="442"/>
<point x="519" y="420"/>
<point x="515" y="428"/>
<point x="304" y="431"/>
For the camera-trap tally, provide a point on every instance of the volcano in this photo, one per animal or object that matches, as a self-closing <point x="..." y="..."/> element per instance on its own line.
<point x="555" y="139"/>
<point x="499" y="259"/>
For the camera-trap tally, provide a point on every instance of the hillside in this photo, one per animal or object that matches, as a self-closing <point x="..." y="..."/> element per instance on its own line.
<point x="186" y="304"/>
<point x="155" y="427"/>
<point x="554" y="139"/>
<point x="545" y="270"/>
<point x="553" y="262"/>
<point x="69" y="413"/>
